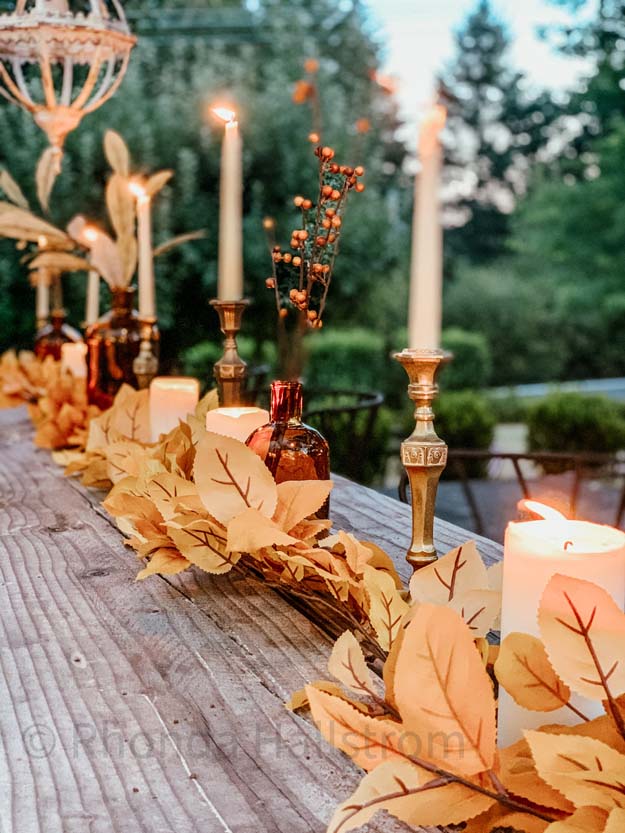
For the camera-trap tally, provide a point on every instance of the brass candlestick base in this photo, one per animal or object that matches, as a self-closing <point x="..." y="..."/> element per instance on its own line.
<point x="230" y="371"/>
<point x="423" y="454"/>
<point x="145" y="365"/>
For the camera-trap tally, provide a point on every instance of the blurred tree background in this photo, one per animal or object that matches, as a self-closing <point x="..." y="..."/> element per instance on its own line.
<point x="534" y="185"/>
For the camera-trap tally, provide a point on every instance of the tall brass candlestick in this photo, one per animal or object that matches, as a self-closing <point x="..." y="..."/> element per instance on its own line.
<point x="423" y="454"/>
<point x="230" y="371"/>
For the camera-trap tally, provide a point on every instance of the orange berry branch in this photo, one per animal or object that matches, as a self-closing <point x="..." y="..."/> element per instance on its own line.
<point x="301" y="277"/>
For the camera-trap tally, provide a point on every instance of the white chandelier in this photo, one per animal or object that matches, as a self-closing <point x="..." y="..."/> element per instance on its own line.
<point x="59" y="63"/>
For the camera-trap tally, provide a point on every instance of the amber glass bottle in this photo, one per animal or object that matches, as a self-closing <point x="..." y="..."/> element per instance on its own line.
<point x="291" y="450"/>
<point x="113" y="343"/>
<point x="52" y="336"/>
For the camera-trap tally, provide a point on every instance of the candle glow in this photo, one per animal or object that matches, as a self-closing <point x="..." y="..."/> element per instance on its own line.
<point x="238" y="423"/>
<point x="172" y="398"/>
<point x="224" y="113"/>
<point x="74" y="359"/>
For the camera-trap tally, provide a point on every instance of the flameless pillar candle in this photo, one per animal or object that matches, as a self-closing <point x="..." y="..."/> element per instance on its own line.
<point x="172" y="398"/>
<point x="92" y="305"/>
<point x="74" y="359"/>
<point x="147" y="298"/>
<point x="230" y="258"/>
<point x="534" y="551"/>
<point x="426" y="268"/>
<point x="238" y="423"/>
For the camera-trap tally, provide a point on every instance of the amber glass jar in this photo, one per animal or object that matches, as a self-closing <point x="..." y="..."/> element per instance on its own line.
<point x="291" y="450"/>
<point x="113" y="343"/>
<point x="53" y="335"/>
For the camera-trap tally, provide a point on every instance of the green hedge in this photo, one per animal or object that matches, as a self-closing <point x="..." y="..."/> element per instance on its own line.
<point x="575" y="422"/>
<point x="353" y="359"/>
<point x="465" y="420"/>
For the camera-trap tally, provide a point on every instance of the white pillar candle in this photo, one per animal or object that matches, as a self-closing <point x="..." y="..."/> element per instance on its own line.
<point x="42" y="303"/>
<point x="230" y="258"/>
<point x="74" y="359"/>
<point x="172" y="398"/>
<point x="426" y="268"/>
<point x="534" y="551"/>
<point x="238" y="423"/>
<point x="147" y="295"/>
<point x="92" y="306"/>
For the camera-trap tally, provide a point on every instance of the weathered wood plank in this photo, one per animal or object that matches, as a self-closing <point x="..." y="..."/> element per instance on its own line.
<point x="155" y="706"/>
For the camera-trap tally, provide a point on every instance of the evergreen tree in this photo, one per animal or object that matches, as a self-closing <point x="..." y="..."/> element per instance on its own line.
<point x="495" y="128"/>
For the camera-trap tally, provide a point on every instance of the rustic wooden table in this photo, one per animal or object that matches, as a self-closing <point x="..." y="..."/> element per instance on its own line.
<point x="156" y="707"/>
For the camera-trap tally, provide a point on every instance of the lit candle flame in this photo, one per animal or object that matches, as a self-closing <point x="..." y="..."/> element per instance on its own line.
<point x="137" y="189"/>
<point x="90" y="234"/>
<point x="546" y="512"/>
<point x="42" y="241"/>
<point x="224" y="113"/>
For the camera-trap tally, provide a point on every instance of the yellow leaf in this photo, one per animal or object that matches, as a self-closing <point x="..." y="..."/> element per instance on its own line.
<point x="386" y="606"/>
<point x="347" y="665"/>
<point x="298" y="500"/>
<point x="13" y="190"/>
<point x="63" y="261"/>
<point x="23" y="225"/>
<point x="518" y="774"/>
<point x="381" y="561"/>
<point x="45" y="176"/>
<point x="158" y="181"/>
<point x="479" y="609"/>
<point x="524" y="670"/>
<point x="179" y="240"/>
<point x="231" y="478"/>
<point x="500" y="818"/>
<point x="584" y="820"/>
<point x="583" y="769"/>
<point x="436" y="669"/>
<point x="251" y="531"/>
<point x="165" y="562"/>
<point x="203" y="545"/>
<point x="106" y="257"/>
<point x="368" y="741"/>
<point x="460" y="570"/>
<point x="583" y="631"/>
<point x="165" y="490"/>
<point x="412" y="795"/>
<point x="616" y="821"/>
<point x="116" y="152"/>
<point x="120" y="205"/>
<point x="130" y="414"/>
<point x="299" y="699"/>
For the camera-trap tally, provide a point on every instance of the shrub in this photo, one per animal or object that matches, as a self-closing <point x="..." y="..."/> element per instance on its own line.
<point x="509" y="408"/>
<point x="472" y="365"/>
<point x="465" y="420"/>
<point x="575" y="422"/>
<point x="352" y="359"/>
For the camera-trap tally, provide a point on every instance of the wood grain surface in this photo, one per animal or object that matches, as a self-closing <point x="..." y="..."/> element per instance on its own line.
<point x="156" y="706"/>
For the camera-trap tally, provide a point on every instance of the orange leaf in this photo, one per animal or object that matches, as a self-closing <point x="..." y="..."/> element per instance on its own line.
<point x="437" y="666"/>
<point x="298" y="500"/>
<point x="166" y="562"/>
<point x="251" y="531"/>
<point x="460" y="570"/>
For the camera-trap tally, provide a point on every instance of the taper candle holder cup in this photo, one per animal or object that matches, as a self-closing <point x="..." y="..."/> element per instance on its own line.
<point x="230" y="371"/>
<point x="145" y="365"/>
<point x="423" y="454"/>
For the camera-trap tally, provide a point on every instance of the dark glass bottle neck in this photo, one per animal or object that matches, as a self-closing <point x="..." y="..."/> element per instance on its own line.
<point x="57" y="319"/>
<point x="286" y="401"/>
<point x="122" y="302"/>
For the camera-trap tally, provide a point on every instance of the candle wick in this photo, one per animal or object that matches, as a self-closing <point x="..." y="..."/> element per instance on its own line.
<point x="567" y="544"/>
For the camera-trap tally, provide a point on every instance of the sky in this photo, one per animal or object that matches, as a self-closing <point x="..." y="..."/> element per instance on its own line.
<point x="419" y="40"/>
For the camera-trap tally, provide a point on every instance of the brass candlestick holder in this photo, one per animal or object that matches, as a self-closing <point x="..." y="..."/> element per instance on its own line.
<point x="145" y="365"/>
<point x="230" y="371"/>
<point x="423" y="454"/>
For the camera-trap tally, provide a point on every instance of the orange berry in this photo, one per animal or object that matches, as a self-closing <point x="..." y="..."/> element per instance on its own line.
<point x="312" y="314"/>
<point x="302" y="234"/>
<point x="317" y="267"/>
<point x="270" y="283"/>
<point x="326" y="267"/>
<point x="326" y="190"/>
<point x="348" y="171"/>
<point x="335" y="194"/>
<point x="293" y="294"/>
<point x="311" y="65"/>
<point x="297" y="261"/>
<point x="360" y="187"/>
<point x="313" y="138"/>
<point x="307" y="205"/>
<point x="334" y="168"/>
<point x="359" y="170"/>
<point x="326" y="223"/>
<point x="330" y="212"/>
<point x="283" y="312"/>
<point x="286" y="257"/>
<point x="298" y="201"/>
<point x="277" y="257"/>
<point x="331" y="238"/>
<point x="320" y="241"/>
<point x="336" y="222"/>
<point x="327" y="153"/>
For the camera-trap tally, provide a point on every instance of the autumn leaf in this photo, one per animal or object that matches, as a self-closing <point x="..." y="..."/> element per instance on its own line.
<point x="13" y="190"/>
<point x="616" y="821"/>
<point x="584" y="770"/>
<point x="583" y="631"/>
<point x="459" y="571"/>
<point x="64" y="261"/>
<point x="231" y="478"/>
<point x="382" y="561"/>
<point x="179" y="240"/>
<point x="45" y="176"/>
<point x="201" y="543"/>
<point x="412" y="795"/>
<point x="347" y="665"/>
<point x="386" y="606"/>
<point x="165" y="491"/>
<point x="299" y="699"/>
<point x="165" y="562"/>
<point x="517" y="772"/>
<point x="437" y="667"/>
<point x="157" y="182"/>
<point x="499" y="818"/>
<point x="116" y="152"/>
<point x="478" y="608"/>
<point x="20" y="224"/>
<point x="106" y="257"/>
<point x="298" y="500"/>
<point x="584" y="820"/>
<point x="368" y="741"/>
<point x="120" y="205"/>
<point x="524" y="670"/>
<point x="251" y="531"/>
<point x="130" y="414"/>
